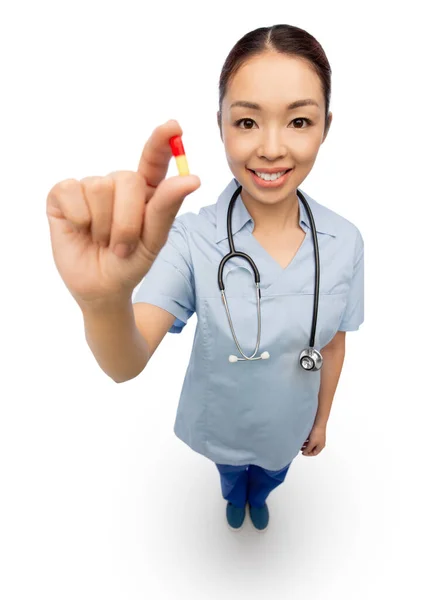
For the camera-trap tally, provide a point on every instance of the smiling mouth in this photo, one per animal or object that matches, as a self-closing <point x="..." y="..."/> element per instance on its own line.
<point x="283" y="171"/>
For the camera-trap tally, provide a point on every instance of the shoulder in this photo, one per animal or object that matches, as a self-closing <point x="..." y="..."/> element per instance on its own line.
<point x="341" y="224"/>
<point x="347" y="233"/>
<point x="192" y="223"/>
<point x="188" y="231"/>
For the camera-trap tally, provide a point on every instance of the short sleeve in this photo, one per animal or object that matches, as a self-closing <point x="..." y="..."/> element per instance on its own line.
<point x="353" y="315"/>
<point x="169" y="283"/>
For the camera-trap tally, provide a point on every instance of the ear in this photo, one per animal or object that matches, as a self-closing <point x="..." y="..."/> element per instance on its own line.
<point x="329" y="120"/>
<point x="219" y="123"/>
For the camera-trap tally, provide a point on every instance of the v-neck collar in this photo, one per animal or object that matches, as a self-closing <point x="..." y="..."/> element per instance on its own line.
<point x="271" y="266"/>
<point x="271" y="272"/>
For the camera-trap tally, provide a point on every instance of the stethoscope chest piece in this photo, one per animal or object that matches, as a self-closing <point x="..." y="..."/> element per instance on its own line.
<point x="310" y="359"/>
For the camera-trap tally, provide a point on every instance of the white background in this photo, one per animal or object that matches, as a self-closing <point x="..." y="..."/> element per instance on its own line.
<point x="99" y="499"/>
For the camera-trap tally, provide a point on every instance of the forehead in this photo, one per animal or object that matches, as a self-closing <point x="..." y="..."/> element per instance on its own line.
<point x="273" y="78"/>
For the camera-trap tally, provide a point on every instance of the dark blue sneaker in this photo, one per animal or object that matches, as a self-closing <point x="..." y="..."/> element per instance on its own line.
<point x="259" y="517"/>
<point x="235" y="516"/>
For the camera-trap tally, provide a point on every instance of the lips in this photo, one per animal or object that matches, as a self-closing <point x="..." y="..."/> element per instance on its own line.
<point x="276" y="183"/>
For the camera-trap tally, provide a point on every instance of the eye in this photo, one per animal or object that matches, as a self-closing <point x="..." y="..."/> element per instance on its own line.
<point x="240" y="121"/>
<point x="308" y="121"/>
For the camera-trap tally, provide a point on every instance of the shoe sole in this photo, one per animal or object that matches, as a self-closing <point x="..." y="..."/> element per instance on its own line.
<point x="235" y="528"/>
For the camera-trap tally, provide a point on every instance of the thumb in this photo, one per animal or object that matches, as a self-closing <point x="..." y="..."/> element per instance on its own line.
<point x="162" y="208"/>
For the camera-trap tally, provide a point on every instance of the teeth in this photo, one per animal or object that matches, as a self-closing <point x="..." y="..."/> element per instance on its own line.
<point x="270" y="176"/>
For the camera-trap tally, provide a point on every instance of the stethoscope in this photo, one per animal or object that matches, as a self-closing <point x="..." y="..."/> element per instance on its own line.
<point x="310" y="359"/>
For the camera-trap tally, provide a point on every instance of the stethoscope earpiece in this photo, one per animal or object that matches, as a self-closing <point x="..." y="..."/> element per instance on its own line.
<point x="310" y="359"/>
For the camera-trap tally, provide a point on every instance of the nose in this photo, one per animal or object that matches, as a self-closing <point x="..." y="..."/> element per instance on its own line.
<point x="273" y="144"/>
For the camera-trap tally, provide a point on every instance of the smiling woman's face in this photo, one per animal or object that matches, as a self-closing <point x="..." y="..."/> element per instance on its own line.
<point x="274" y="136"/>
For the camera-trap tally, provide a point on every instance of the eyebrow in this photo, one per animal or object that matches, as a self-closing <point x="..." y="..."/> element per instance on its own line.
<point x="295" y="104"/>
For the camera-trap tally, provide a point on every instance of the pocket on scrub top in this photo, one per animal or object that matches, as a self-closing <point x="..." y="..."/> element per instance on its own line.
<point x="330" y="311"/>
<point x="294" y="313"/>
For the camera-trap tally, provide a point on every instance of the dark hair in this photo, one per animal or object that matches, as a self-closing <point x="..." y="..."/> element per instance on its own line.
<point x="285" y="39"/>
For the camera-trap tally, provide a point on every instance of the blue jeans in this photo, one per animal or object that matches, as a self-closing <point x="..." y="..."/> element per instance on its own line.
<point x="249" y="483"/>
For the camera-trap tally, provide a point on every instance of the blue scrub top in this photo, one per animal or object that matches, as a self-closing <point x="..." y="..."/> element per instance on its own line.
<point x="253" y="412"/>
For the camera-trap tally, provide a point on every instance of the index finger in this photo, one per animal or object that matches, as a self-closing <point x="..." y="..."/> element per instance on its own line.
<point x="156" y="154"/>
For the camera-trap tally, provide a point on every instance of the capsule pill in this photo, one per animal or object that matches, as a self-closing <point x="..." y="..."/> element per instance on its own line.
<point x="179" y="153"/>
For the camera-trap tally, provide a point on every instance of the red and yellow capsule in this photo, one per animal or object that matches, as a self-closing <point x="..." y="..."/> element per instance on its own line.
<point x="179" y="153"/>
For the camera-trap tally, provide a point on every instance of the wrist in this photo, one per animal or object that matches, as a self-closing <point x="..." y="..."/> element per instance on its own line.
<point x="108" y="304"/>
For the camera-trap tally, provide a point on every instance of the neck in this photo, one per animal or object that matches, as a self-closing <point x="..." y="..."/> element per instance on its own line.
<point x="273" y="219"/>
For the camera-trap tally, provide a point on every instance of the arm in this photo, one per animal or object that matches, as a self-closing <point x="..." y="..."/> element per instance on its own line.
<point x="333" y="355"/>
<point x="124" y="336"/>
<point x="115" y="341"/>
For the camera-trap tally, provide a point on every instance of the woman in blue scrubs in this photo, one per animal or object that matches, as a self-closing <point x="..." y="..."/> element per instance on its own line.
<point x="252" y="418"/>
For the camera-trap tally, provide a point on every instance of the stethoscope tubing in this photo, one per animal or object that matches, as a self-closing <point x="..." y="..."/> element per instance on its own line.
<point x="233" y="253"/>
